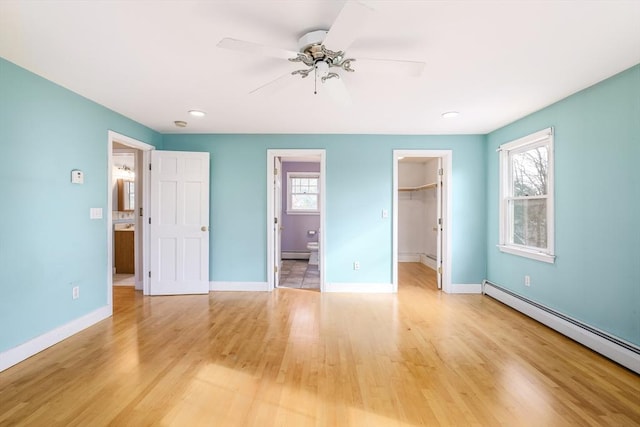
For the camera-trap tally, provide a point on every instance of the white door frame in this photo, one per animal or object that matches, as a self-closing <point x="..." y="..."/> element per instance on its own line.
<point x="271" y="256"/>
<point x="277" y="211"/>
<point x="141" y="222"/>
<point x="446" y="156"/>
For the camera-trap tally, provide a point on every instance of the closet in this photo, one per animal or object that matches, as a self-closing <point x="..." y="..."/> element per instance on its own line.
<point x="418" y="210"/>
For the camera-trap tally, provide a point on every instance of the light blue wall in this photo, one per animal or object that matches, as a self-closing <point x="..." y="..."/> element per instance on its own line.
<point x="48" y="244"/>
<point x="359" y="185"/>
<point x="596" y="277"/>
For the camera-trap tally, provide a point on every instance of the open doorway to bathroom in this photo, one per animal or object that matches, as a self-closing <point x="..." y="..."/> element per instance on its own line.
<point x="296" y="204"/>
<point x="123" y="204"/>
<point x="127" y="218"/>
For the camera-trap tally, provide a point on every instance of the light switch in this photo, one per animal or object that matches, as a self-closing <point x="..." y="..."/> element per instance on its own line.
<point x="95" y="213"/>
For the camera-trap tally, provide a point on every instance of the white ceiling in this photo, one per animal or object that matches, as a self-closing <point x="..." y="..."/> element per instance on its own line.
<point x="494" y="61"/>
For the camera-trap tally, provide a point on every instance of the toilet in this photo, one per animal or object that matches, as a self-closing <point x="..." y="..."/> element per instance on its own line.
<point x="313" y="253"/>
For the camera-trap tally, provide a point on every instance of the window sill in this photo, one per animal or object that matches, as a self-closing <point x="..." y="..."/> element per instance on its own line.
<point x="538" y="256"/>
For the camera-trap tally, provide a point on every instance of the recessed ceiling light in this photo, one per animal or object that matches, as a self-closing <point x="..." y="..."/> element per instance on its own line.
<point x="197" y="113"/>
<point x="450" y="114"/>
<point x="180" y="123"/>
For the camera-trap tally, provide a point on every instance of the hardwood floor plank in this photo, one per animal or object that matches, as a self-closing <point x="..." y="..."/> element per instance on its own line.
<point x="298" y="358"/>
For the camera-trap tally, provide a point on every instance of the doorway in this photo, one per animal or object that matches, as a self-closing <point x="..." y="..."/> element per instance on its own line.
<point x="123" y="201"/>
<point x="127" y="209"/>
<point x="295" y="216"/>
<point x="421" y="211"/>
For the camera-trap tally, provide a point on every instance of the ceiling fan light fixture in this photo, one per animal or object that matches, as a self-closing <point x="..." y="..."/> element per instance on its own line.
<point x="180" y="123"/>
<point x="450" y="114"/>
<point x="322" y="69"/>
<point x="197" y="113"/>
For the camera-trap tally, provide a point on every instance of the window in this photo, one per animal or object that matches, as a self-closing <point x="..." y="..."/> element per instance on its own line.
<point x="303" y="190"/>
<point x="526" y="196"/>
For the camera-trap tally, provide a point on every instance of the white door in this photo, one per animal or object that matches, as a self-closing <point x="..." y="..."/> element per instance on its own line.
<point x="440" y="223"/>
<point x="179" y="227"/>
<point x="277" y="211"/>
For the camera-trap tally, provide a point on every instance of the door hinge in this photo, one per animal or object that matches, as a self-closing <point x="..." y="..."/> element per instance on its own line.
<point x="275" y="220"/>
<point x="439" y="221"/>
<point x="440" y="172"/>
<point x="149" y="166"/>
<point x="149" y="274"/>
<point x="275" y="171"/>
<point x="141" y="212"/>
<point x="149" y="220"/>
<point x="275" y="269"/>
<point x="439" y="270"/>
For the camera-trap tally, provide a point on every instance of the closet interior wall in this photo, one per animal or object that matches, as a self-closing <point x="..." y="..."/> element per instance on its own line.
<point x="417" y="211"/>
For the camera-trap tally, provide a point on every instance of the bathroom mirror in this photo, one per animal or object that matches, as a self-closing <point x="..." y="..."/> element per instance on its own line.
<point x="126" y="195"/>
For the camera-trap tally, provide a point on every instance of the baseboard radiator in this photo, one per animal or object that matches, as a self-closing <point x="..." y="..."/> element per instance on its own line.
<point x="295" y="255"/>
<point x="620" y="351"/>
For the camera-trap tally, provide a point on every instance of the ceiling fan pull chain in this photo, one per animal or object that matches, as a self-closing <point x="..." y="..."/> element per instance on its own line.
<point x="315" y="80"/>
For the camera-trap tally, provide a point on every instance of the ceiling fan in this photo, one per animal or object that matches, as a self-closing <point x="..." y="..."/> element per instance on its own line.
<point x="324" y="64"/>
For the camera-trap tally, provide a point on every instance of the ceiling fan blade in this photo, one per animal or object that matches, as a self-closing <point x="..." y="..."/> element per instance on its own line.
<point x="274" y="85"/>
<point x="389" y="67"/>
<point x="346" y="28"/>
<point x="250" y="47"/>
<point x="337" y="91"/>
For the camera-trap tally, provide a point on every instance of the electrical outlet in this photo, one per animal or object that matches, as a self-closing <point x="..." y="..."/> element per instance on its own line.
<point x="527" y="280"/>
<point x="356" y="265"/>
<point x="75" y="292"/>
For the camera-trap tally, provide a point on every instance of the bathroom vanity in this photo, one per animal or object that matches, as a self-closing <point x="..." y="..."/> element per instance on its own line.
<point x="123" y="242"/>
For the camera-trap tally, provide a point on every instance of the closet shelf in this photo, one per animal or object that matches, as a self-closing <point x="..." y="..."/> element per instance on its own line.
<point x="418" y="188"/>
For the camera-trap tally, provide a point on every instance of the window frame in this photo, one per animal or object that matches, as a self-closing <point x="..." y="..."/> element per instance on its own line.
<point x="537" y="139"/>
<point x="294" y="175"/>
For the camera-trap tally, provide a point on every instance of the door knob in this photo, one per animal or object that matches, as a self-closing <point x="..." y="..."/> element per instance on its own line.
<point x="204" y="228"/>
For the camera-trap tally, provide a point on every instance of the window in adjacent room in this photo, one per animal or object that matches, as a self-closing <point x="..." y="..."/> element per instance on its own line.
<point x="303" y="193"/>
<point x="526" y="196"/>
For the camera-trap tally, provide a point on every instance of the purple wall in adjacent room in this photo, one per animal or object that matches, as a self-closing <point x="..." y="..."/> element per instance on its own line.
<point x="295" y="227"/>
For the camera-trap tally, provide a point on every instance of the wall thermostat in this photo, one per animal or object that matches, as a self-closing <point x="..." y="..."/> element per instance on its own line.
<point x="77" y="176"/>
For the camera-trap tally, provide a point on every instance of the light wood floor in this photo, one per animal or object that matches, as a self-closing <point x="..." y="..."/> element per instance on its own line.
<point x="298" y="358"/>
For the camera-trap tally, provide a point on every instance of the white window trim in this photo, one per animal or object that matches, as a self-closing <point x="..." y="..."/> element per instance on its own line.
<point x="542" y="137"/>
<point x="291" y="175"/>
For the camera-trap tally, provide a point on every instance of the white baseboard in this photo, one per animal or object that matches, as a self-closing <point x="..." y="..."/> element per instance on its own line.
<point x="465" y="288"/>
<point x="415" y="257"/>
<point x="408" y="257"/>
<point x="594" y="340"/>
<point x="295" y="255"/>
<point x="362" y="288"/>
<point x="17" y="354"/>
<point x="239" y="286"/>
